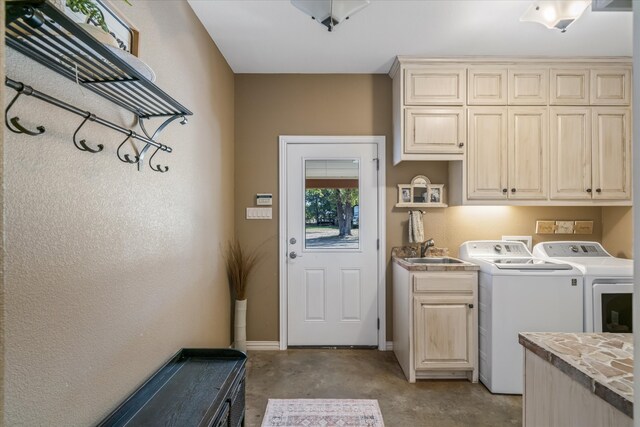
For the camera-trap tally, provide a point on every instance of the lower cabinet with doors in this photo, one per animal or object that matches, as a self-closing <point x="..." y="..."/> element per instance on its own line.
<point x="435" y="323"/>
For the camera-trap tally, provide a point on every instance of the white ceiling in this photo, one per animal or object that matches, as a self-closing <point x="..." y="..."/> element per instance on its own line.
<point x="272" y="36"/>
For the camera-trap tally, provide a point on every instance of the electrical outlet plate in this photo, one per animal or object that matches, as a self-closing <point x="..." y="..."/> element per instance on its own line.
<point x="583" y="227"/>
<point x="545" y="227"/>
<point x="564" y="227"/>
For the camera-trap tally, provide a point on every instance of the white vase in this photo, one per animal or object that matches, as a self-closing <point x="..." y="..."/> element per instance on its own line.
<point x="240" y="335"/>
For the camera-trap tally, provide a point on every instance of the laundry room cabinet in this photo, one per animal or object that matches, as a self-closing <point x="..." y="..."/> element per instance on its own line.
<point x="435" y="323"/>
<point x="519" y="131"/>
<point x="590" y="153"/>
<point x="507" y="154"/>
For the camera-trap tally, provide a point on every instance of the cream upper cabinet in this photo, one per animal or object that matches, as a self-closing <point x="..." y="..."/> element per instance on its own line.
<point x="528" y="86"/>
<point x="519" y="131"/>
<point x="528" y="150"/>
<point x="487" y="153"/>
<point x="487" y="86"/>
<point x="611" y="153"/>
<point x="569" y="86"/>
<point x="444" y="331"/>
<point x="435" y="130"/>
<point x="435" y="86"/>
<point x="570" y="154"/>
<point x="611" y="86"/>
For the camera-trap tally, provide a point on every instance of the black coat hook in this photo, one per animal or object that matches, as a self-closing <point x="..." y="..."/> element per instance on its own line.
<point x="126" y="158"/>
<point x="82" y="144"/>
<point x="158" y="168"/>
<point x="15" y="121"/>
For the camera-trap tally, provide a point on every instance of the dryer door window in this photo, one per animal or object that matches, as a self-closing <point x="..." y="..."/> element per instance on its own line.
<point x="613" y="307"/>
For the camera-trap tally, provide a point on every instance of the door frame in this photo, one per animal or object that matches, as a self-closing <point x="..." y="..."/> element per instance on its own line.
<point x="284" y="141"/>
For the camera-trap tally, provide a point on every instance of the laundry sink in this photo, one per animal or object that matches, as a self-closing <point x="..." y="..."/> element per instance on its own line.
<point x="434" y="260"/>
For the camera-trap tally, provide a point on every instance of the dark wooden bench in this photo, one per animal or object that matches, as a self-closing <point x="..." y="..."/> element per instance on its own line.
<point x="197" y="387"/>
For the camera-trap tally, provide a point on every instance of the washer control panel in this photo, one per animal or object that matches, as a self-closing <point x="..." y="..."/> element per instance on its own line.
<point x="574" y="249"/>
<point x="497" y="248"/>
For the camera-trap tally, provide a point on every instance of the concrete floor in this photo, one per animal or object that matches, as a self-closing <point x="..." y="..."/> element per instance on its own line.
<point x="373" y="374"/>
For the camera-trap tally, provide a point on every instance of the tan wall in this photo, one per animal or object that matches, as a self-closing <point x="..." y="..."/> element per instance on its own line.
<point x="271" y="105"/>
<point x="617" y="230"/>
<point x="110" y="271"/>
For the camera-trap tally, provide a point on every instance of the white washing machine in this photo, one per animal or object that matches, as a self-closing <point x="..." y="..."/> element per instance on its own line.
<point x="607" y="281"/>
<point x="519" y="293"/>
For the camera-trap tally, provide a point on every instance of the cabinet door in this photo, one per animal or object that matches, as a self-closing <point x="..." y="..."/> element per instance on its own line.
<point x="570" y="153"/>
<point x="487" y="86"/>
<point x="611" y="86"/>
<point x="443" y="331"/>
<point x="435" y="130"/>
<point x="611" y="153"/>
<point x="569" y="86"/>
<point x="487" y="153"/>
<point x="528" y="142"/>
<point x="528" y="86"/>
<point x="435" y="86"/>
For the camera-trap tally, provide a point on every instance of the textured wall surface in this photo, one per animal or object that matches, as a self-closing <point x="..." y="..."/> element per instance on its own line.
<point x="110" y="271"/>
<point x="2" y="321"/>
<point x="617" y="230"/>
<point x="267" y="106"/>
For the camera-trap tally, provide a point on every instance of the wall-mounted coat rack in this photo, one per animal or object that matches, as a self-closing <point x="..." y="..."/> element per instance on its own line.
<point x="14" y="125"/>
<point x="46" y="34"/>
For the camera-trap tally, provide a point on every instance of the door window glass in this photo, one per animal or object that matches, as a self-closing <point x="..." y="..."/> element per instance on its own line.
<point x="332" y="211"/>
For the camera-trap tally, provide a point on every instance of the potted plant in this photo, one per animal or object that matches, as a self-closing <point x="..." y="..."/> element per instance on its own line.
<point x="91" y="11"/>
<point x="239" y="263"/>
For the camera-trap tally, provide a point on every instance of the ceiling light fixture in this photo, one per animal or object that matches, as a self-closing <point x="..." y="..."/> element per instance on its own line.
<point x="330" y="12"/>
<point x="557" y="14"/>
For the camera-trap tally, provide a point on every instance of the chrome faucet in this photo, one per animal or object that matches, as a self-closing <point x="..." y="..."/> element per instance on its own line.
<point x="424" y="247"/>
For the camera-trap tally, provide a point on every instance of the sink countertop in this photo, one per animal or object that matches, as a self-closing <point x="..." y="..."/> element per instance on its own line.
<point x="398" y="253"/>
<point x="601" y="362"/>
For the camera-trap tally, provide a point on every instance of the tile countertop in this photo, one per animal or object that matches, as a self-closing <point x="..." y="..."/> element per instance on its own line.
<point x="601" y="362"/>
<point x="398" y="253"/>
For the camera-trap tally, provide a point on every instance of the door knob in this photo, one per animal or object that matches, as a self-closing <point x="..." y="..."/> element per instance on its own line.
<point x="293" y="255"/>
<point x="470" y="305"/>
<point x="513" y="190"/>
<point x="461" y="144"/>
<point x="588" y="190"/>
<point x="598" y="190"/>
<point x="504" y="190"/>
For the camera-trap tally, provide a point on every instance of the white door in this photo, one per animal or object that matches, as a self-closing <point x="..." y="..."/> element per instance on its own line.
<point x="332" y="275"/>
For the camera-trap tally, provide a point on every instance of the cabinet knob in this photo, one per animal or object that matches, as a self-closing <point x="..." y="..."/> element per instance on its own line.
<point x="513" y="190"/>
<point x="598" y="190"/>
<point x="588" y="190"/>
<point x="470" y="305"/>
<point x="504" y="190"/>
<point x="461" y="144"/>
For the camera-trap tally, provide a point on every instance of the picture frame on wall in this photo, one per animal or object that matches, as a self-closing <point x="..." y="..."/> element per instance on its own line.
<point x="404" y="194"/>
<point x="435" y="193"/>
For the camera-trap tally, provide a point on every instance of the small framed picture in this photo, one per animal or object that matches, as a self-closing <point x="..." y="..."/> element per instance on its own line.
<point x="404" y="194"/>
<point x="435" y="193"/>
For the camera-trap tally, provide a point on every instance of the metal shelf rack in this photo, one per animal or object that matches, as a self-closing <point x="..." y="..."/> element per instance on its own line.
<point x="44" y="33"/>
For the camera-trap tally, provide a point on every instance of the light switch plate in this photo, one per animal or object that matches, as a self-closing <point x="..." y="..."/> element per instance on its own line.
<point x="259" y="213"/>
<point x="583" y="227"/>
<point x="545" y="227"/>
<point x="564" y="227"/>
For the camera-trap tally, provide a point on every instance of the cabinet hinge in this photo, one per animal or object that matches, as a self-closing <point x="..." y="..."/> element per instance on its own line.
<point x="378" y="323"/>
<point x="377" y="163"/>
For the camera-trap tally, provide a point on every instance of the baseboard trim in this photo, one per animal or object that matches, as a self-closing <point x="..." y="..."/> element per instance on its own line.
<point x="275" y="345"/>
<point x="263" y="345"/>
